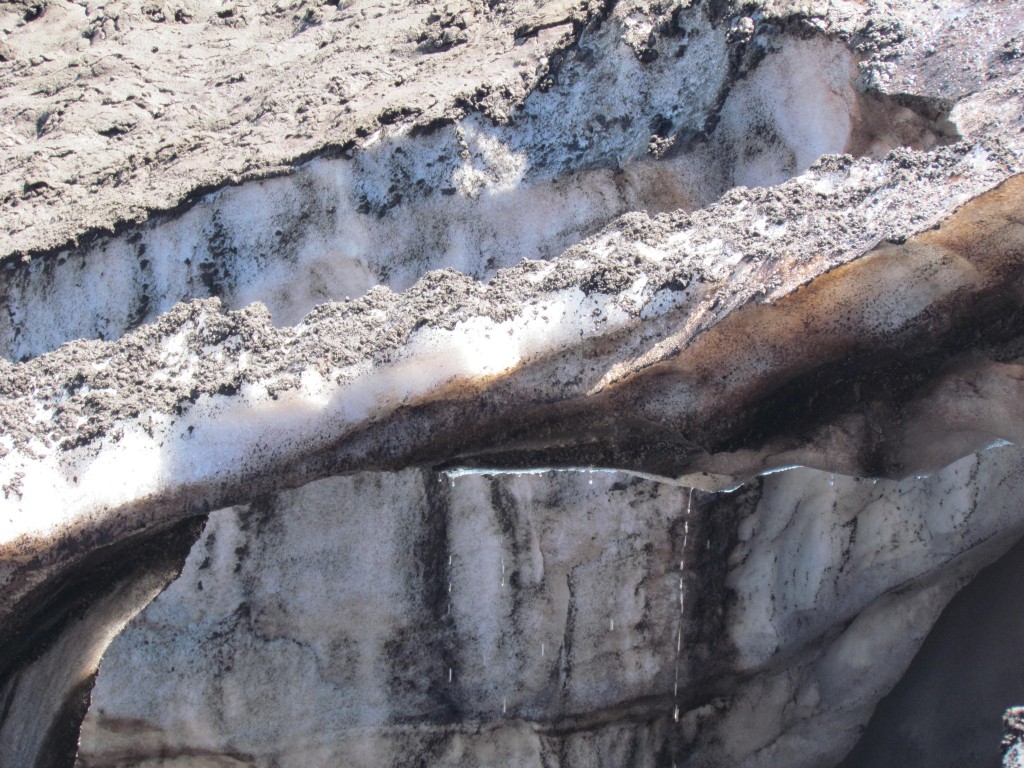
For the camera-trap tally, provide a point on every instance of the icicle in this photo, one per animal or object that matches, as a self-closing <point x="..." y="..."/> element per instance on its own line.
<point x="504" y="704"/>
<point x="682" y="603"/>
<point x="612" y="625"/>
<point x="542" y="650"/>
<point x="449" y="674"/>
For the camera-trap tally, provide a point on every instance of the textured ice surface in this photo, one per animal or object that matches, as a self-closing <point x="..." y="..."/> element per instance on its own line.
<point x="492" y="601"/>
<point x="472" y="196"/>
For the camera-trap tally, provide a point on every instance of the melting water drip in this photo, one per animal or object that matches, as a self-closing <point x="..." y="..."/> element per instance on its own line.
<point x="676" y="713"/>
<point x="682" y="604"/>
<point x="448" y="607"/>
<point x="509" y="672"/>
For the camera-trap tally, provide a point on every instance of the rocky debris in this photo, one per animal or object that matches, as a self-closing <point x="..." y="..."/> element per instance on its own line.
<point x="692" y="243"/>
<point x="150" y="105"/>
<point x="238" y="116"/>
<point x="335" y="228"/>
<point x="1013" y="736"/>
<point x="443" y="31"/>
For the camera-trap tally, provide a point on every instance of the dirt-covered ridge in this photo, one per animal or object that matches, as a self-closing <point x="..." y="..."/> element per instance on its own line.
<point x="656" y="109"/>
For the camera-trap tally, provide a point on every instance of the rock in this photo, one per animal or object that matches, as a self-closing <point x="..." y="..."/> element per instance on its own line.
<point x="444" y="30"/>
<point x="1013" y="724"/>
<point x="681" y="342"/>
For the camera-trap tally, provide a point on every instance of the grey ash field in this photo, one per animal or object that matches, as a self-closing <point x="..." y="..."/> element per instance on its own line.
<point x="511" y="383"/>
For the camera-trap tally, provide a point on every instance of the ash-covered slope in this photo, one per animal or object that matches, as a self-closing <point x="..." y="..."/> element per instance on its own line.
<point x="687" y="243"/>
